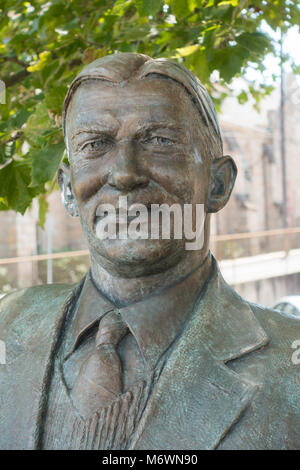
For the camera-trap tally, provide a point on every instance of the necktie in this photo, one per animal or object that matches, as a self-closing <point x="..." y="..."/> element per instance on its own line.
<point x="99" y="381"/>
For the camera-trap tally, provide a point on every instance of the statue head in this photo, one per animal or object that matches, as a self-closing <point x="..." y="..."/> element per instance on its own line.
<point x="146" y="130"/>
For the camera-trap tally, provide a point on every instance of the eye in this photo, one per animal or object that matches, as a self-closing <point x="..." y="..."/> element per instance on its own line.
<point x="159" y="141"/>
<point x="99" y="145"/>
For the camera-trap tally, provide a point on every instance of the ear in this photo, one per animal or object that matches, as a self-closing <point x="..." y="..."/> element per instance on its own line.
<point x="222" y="177"/>
<point x="64" y="182"/>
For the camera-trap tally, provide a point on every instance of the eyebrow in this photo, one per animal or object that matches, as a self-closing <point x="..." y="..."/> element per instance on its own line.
<point x="151" y="124"/>
<point x="97" y="128"/>
<point x="144" y="126"/>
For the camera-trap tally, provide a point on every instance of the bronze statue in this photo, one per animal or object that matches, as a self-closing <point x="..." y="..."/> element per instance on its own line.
<point x="152" y="350"/>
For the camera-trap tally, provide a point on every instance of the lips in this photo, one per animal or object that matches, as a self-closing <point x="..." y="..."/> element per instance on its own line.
<point x="122" y="216"/>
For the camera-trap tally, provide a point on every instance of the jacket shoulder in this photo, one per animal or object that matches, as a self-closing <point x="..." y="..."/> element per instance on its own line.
<point x="274" y="361"/>
<point x="30" y="304"/>
<point x="275" y="323"/>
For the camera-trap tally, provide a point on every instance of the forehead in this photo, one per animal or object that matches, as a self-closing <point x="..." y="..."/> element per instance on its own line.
<point x="149" y="99"/>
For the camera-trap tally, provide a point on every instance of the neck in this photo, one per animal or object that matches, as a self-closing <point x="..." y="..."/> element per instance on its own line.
<point x="124" y="291"/>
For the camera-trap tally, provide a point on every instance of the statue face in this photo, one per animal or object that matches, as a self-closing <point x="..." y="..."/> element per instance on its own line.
<point x="142" y="141"/>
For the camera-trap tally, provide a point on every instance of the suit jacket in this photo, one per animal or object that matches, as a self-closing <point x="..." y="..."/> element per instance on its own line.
<point x="229" y="382"/>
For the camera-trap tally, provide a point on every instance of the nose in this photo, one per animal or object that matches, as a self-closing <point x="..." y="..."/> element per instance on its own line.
<point x="124" y="175"/>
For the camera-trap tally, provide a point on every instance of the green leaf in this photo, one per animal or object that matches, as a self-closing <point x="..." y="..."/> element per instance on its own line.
<point x="233" y="3"/>
<point x="54" y="98"/>
<point x="180" y="8"/>
<point x="242" y="97"/>
<point x="14" y="186"/>
<point x="199" y="65"/>
<point x="296" y="69"/>
<point x="229" y="61"/>
<point x="44" y="58"/>
<point x="256" y="42"/>
<point x="45" y="163"/>
<point x="148" y="7"/>
<point x="186" y="51"/>
<point x="120" y="6"/>
<point x="21" y="117"/>
<point x="3" y="205"/>
<point x="210" y="3"/>
<point x="37" y="123"/>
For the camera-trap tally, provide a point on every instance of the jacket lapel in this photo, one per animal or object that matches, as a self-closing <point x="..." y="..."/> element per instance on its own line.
<point x="34" y="321"/>
<point x="198" y="398"/>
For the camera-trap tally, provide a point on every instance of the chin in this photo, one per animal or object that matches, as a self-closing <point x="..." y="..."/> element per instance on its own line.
<point x="131" y="258"/>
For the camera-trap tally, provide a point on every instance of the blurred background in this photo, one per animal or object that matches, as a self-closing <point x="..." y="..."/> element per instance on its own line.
<point x="256" y="237"/>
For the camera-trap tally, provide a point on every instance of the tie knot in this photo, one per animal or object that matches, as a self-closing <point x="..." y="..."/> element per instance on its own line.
<point x="112" y="330"/>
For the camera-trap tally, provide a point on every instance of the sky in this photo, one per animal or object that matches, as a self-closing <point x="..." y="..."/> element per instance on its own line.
<point x="246" y="115"/>
<point x="291" y="46"/>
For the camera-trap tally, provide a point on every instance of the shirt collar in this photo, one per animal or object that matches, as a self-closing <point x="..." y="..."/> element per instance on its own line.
<point x="155" y="322"/>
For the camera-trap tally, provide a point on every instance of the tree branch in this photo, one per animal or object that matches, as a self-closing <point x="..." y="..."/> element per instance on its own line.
<point x="92" y="43"/>
<point x="15" y="60"/>
<point x="11" y="80"/>
<point x="12" y="138"/>
<point x="8" y="162"/>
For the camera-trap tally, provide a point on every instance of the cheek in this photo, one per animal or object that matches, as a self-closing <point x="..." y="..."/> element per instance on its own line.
<point x="86" y="178"/>
<point x="200" y="185"/>
<point x="180" y="176"/>
<point x="170" y="170"/>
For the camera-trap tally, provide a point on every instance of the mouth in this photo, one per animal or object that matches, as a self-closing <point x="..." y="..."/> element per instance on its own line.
<point x="115" y="215"/>
<point x="122" y="217"/>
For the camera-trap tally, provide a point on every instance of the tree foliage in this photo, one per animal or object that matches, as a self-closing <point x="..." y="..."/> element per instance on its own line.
<point x="44" y="44"/>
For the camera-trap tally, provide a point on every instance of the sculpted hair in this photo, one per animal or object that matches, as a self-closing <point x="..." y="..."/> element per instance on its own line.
<point x="119" y="69"/>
